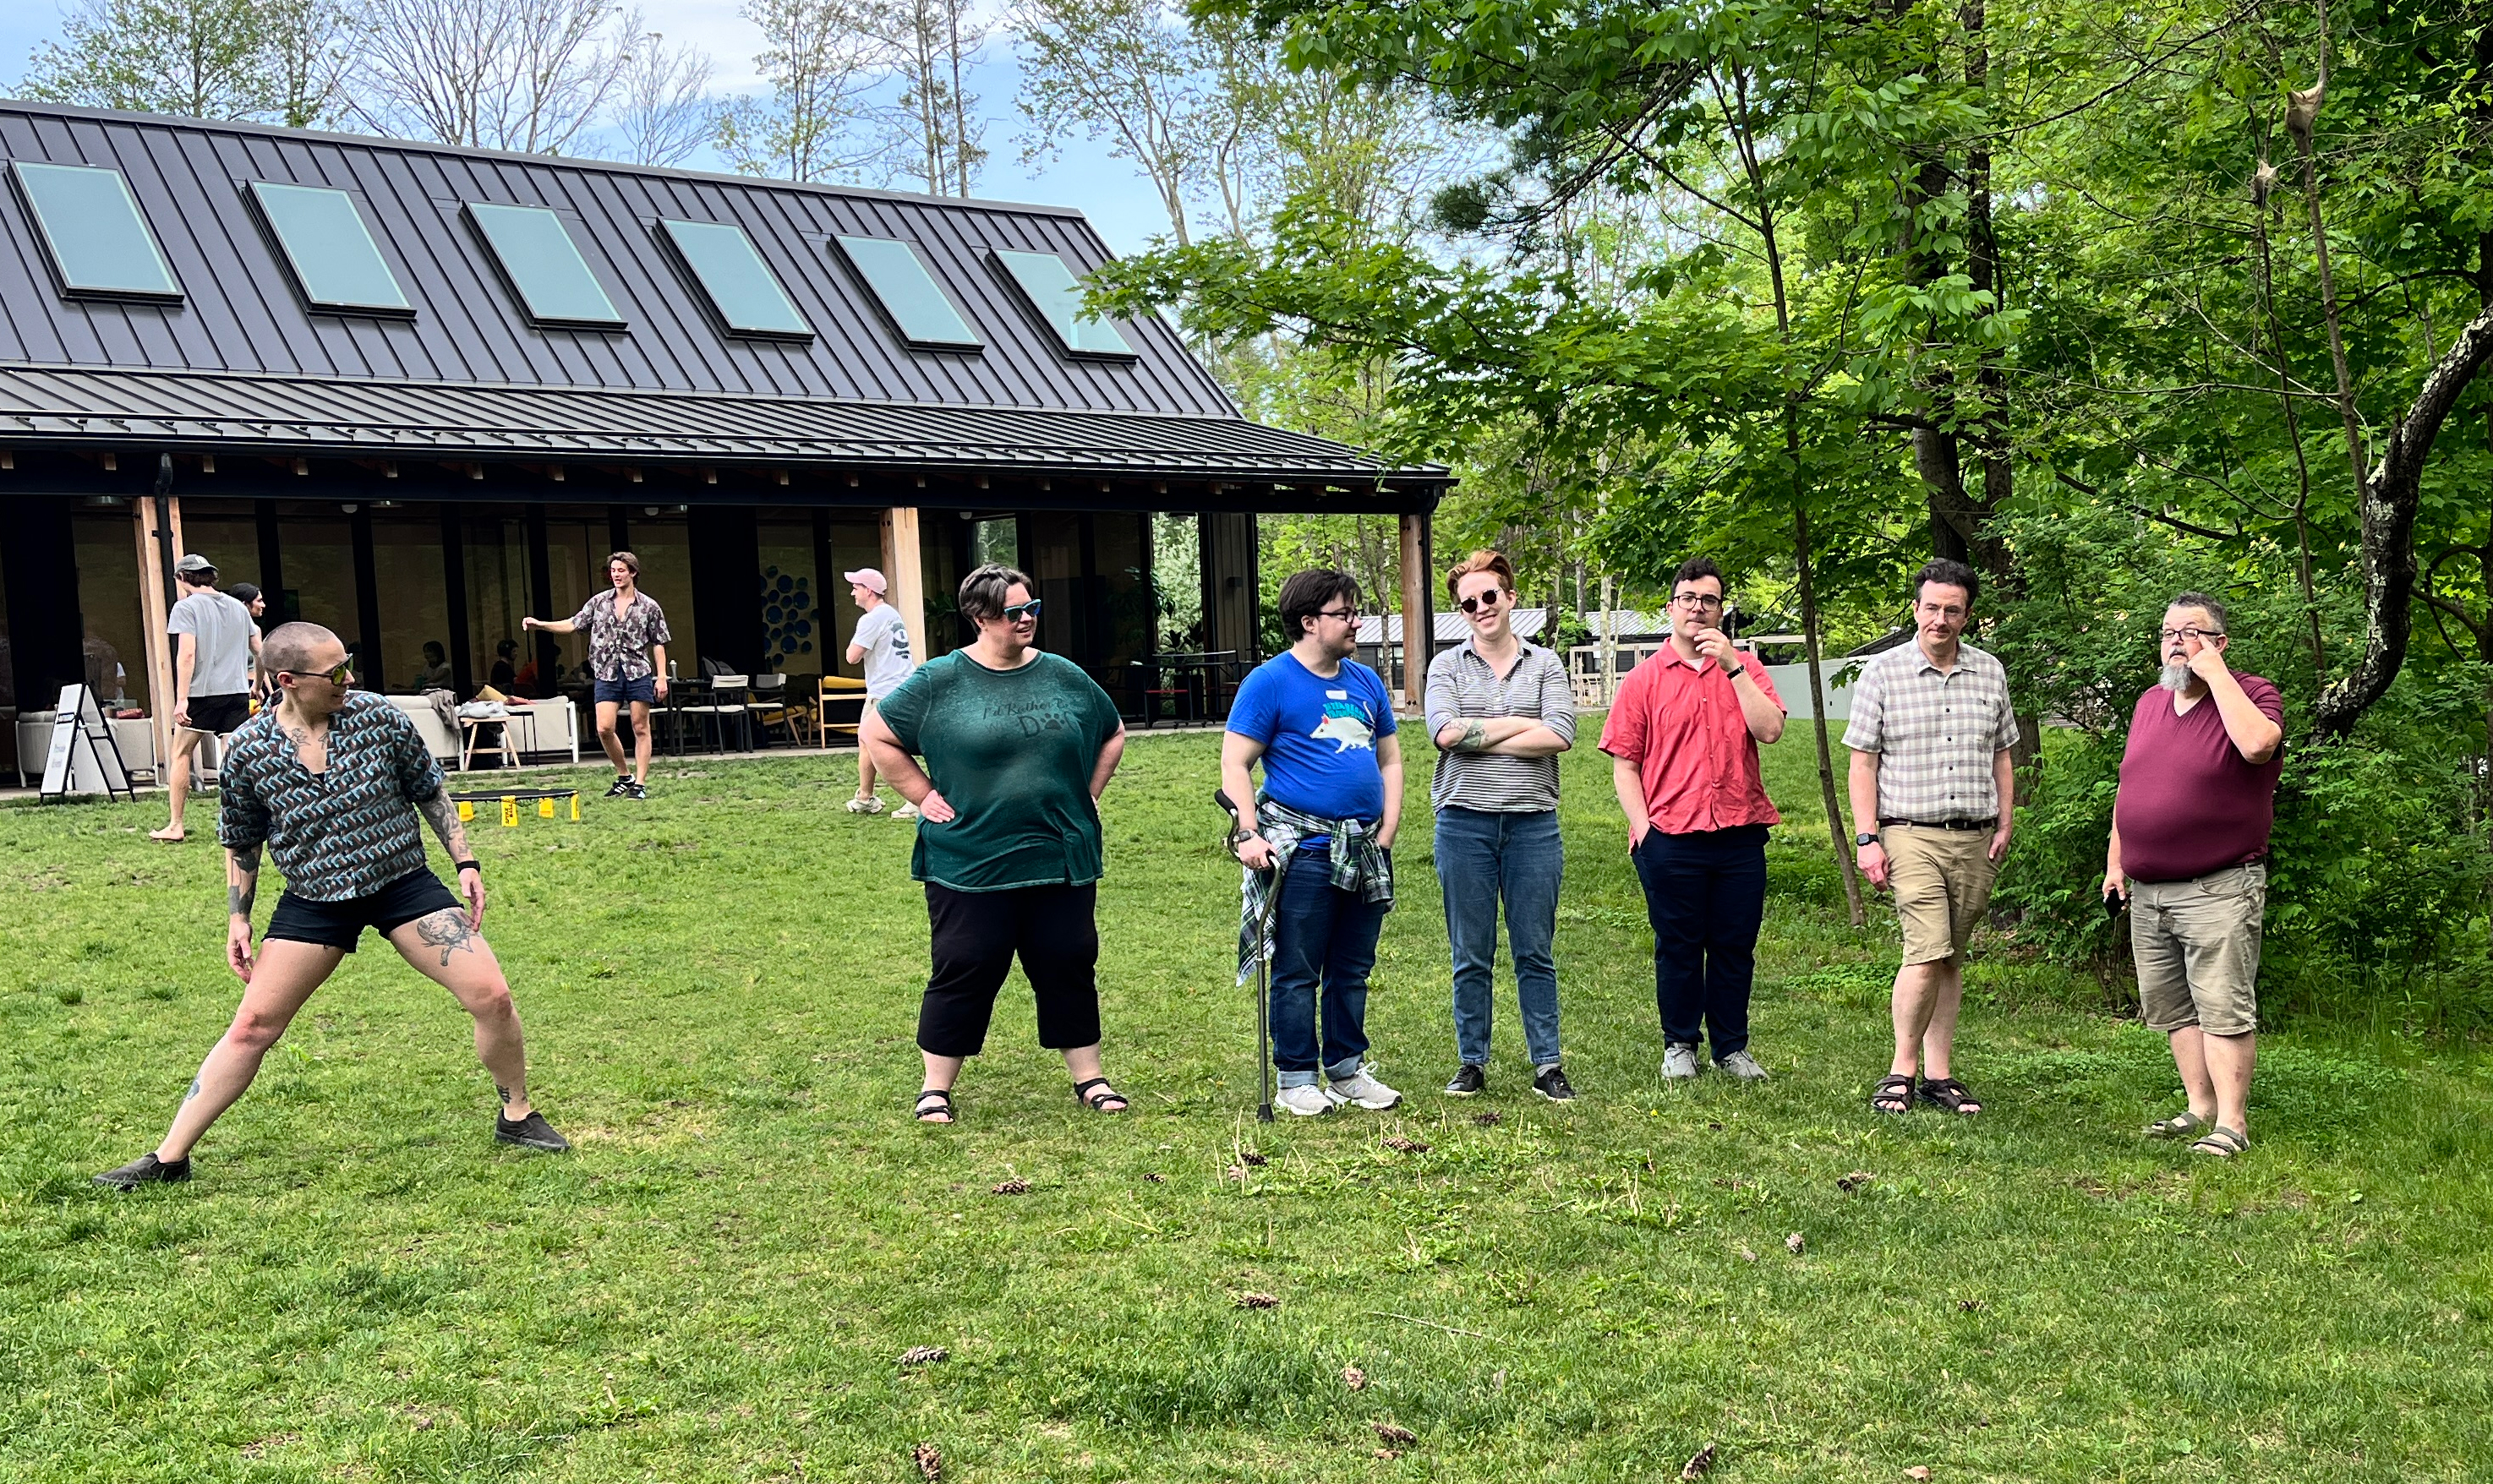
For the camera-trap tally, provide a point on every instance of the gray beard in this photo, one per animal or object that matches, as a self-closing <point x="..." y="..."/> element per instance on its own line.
<point x="2175" y="678"/>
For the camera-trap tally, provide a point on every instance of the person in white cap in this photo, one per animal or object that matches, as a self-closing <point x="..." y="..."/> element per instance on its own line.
<point x="214" y="671"/>
<point x="881" y="644"/>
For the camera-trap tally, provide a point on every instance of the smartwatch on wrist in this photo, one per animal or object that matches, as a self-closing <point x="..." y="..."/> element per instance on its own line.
<point x="1865" y="840"/>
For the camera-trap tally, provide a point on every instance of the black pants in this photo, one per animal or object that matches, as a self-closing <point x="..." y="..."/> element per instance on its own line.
<point x="975" y="936"/>
<point x="1705" y="895"/>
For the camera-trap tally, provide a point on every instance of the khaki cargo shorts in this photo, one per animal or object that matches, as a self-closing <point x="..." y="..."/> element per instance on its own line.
<point x="1942" y="879"/>
<point x="2197" y="944"/>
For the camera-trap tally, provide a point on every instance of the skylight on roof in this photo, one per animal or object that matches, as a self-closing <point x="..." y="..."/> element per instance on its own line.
<point x="1054" y="295"/>
<point x="909" y="293"/>
<point x="544" y="267"/>
<point x="741" y="289"/>
<point x="90" y="225"/>
<point x="335" y="262"/>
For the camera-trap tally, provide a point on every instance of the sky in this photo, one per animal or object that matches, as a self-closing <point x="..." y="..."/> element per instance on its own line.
<point x="1119" y="203"/>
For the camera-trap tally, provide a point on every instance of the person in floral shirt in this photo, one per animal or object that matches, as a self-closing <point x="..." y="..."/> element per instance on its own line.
<point x="627" y="654"/>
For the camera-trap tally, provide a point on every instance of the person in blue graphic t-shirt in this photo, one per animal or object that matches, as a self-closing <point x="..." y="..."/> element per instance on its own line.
<point x="1323" y="728"/>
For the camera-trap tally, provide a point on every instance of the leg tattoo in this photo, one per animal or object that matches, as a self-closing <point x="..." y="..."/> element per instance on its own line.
<point x="502" y="1091"/>
<point x="448" y="931"/>
<point x="194" y="1092"/>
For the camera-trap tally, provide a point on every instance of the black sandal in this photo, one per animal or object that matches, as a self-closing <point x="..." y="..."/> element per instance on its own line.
<point x="1949" y="1094"/>
<point x="1098" y="1102"/>
<point x="943" y="1103"/>
<point x="1895" y="1088"/>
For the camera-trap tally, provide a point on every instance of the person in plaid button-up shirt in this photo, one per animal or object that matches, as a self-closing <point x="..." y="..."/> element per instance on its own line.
<point x="1933" y="796"/>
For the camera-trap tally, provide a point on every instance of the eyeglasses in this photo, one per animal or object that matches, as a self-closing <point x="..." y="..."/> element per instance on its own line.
<point x="2168" y="636"/>
<point x="1697" y="600"/>
<point x="339" y="676"/>
<point x="1015" y="612"/>
<point x="1488" y="599"/>
<point x="1346" y="615"/>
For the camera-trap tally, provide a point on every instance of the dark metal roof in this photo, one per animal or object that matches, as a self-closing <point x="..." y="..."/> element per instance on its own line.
<point x="241" y="363"/>
<point x="70" y="406"/>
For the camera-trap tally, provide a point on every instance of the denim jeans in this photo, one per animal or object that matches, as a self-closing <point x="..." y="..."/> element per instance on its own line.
<point x="1322" y="938"/>
<point x="1705" y="895"/>
<point x="1484" y="858"/>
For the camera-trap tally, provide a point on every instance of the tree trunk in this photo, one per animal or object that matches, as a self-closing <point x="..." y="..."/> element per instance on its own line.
<point x="1818" y="683"/>
<point x="2390" y="498"/>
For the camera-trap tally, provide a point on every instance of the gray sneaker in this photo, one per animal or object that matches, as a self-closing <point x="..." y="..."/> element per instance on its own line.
<point x="1742" y="1065"/>
<point x="1362" y="1090"/>
<point x="1679" y="1063"/>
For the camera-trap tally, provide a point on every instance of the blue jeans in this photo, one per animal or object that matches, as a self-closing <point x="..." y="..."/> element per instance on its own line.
<point x="1324" y="937"/>
<point x="1705" y="895"/>
<point x="1484" y="858"/>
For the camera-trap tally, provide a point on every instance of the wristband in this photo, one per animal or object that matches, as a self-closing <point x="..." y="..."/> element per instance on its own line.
<point x="469" y="866"/>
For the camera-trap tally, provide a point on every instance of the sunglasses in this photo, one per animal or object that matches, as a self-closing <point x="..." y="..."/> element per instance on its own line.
<point x="1015" y="612"/>
<point x="339" y="676"/>
<point x="1488" y="599"/>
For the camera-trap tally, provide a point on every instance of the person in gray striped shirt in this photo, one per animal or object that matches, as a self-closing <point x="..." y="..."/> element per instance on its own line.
<point x="1501" y="712"/>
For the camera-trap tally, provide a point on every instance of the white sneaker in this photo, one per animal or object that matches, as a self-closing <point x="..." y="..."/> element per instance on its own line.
<point x="1742" y="1065"/>
<point x="905" y="811"/>
<point x="1306" y="1102"/>
<point x="858" y="806"/>
<point x="1678" y="1062"/>
<point x="1361" y="1088"/>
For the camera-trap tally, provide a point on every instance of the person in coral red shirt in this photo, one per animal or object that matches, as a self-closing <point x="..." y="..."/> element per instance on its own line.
<point x="2189" y="853"/>
<point x="1683" y="736"/>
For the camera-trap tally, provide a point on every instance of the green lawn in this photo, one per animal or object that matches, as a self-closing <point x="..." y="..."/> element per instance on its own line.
<point x="721" y="991"/>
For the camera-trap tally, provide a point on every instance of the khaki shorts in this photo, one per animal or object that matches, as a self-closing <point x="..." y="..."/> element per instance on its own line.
<point x="2197" y="944"/>
<point x="1942" y="879"/>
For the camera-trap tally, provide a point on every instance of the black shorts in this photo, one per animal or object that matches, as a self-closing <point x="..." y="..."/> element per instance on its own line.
<point x="219" y="714"/>
<point x="338" y="924"/>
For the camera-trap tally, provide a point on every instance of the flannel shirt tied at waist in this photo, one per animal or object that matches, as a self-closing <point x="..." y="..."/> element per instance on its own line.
<point x="1359" y="865"/>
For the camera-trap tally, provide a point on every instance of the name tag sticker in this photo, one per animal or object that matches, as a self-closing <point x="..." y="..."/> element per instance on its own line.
<point x="1336" y="695"/>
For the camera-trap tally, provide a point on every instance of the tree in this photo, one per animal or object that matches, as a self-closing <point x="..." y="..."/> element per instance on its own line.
<point x="275" y="61"/>
<point x="930" y="46"/>
<point x="820" y="67"/>
<point x="1123" y="71"/>
<point x="530" y="76"/>
<point x="663" y="110"/>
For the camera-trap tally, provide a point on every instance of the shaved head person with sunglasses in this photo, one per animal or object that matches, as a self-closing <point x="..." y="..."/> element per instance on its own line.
<point x="330" y="782"/>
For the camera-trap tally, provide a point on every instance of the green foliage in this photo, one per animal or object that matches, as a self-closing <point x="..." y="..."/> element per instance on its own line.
<point x="269" y="61"/>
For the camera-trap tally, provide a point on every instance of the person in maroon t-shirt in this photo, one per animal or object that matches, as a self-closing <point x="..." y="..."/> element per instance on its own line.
<point x="2190" y="852"/>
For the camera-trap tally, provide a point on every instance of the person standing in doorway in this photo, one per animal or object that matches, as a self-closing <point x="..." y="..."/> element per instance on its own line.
<point x="1322" y="725"/>
<point x="1501" y="711"/>
<point x="1934" y="798"/>
<point x="1683" y="738"/>
<point x="1019" y="745"/>
<point x="881" y="644"/>
<point x="216" y="654"/>
<point x="256" y="603"/>
<point x="331" y="784"/>
<point x="627" y="655"/>
<point x="2190" y="852"/>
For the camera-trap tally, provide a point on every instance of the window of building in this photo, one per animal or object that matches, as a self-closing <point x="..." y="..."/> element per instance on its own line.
<point x="742" y="291"/>
<point x="1054" y="295"/>
<point x="112" y="608"/>
<point x="415" y="595"/>
<point x="856" y="545"/>
<point x="796" y="624"/>
<point x="317" y="546"/>
<point x="575" y="568"/>
<point x="543" y="266"/>
<point x="90" y="226"/>
<point x="664" y="544"/>
<point x="917" y="306"/>
<point x="496" y="551"/>
<point x="322" y="235"/>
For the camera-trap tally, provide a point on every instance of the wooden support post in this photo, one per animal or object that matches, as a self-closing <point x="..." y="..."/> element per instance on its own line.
<point x="904" y="567"/>
<point x="1419" y="624"/>
<point x="155" y="605"/>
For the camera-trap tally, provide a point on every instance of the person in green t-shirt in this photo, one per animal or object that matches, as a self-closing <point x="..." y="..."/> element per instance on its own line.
<point x="1018" y="746"/>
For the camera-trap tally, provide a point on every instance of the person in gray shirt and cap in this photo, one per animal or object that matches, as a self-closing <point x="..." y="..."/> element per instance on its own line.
<point x="216" y="654"/>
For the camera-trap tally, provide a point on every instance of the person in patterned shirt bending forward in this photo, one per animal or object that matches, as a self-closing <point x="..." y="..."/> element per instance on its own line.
<point x="330" y="782"/>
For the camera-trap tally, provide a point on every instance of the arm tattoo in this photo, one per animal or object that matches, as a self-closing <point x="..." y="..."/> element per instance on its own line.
<point x="244" y="886"/>
<point x="444" y="815"/>
<point x="446" y="930"/>
<point x="1475" y="737"/>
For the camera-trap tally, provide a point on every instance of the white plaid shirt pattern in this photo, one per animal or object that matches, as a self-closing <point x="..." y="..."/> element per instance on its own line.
<point x="1934" y="732"/>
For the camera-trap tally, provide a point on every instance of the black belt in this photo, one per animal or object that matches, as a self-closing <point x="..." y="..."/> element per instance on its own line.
<point x="1945" y="824"/>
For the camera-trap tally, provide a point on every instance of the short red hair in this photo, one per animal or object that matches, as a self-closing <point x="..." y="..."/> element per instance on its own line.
<point x="1492" y="562"/>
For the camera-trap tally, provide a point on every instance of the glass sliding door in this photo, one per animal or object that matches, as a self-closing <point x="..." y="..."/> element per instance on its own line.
<point x="856" y="545"/>
<point x="496" y="544"/>
<point x="797" y="623"/>
<point x="317" y="546"/>
<point x="109" y="602"/>
<point x="414" y="600"/>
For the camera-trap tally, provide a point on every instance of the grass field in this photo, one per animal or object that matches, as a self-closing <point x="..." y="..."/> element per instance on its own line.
<point x="721" y="990"/>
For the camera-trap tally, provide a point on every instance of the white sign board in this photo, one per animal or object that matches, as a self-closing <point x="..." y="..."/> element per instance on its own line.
<point x="85" y="758"/>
